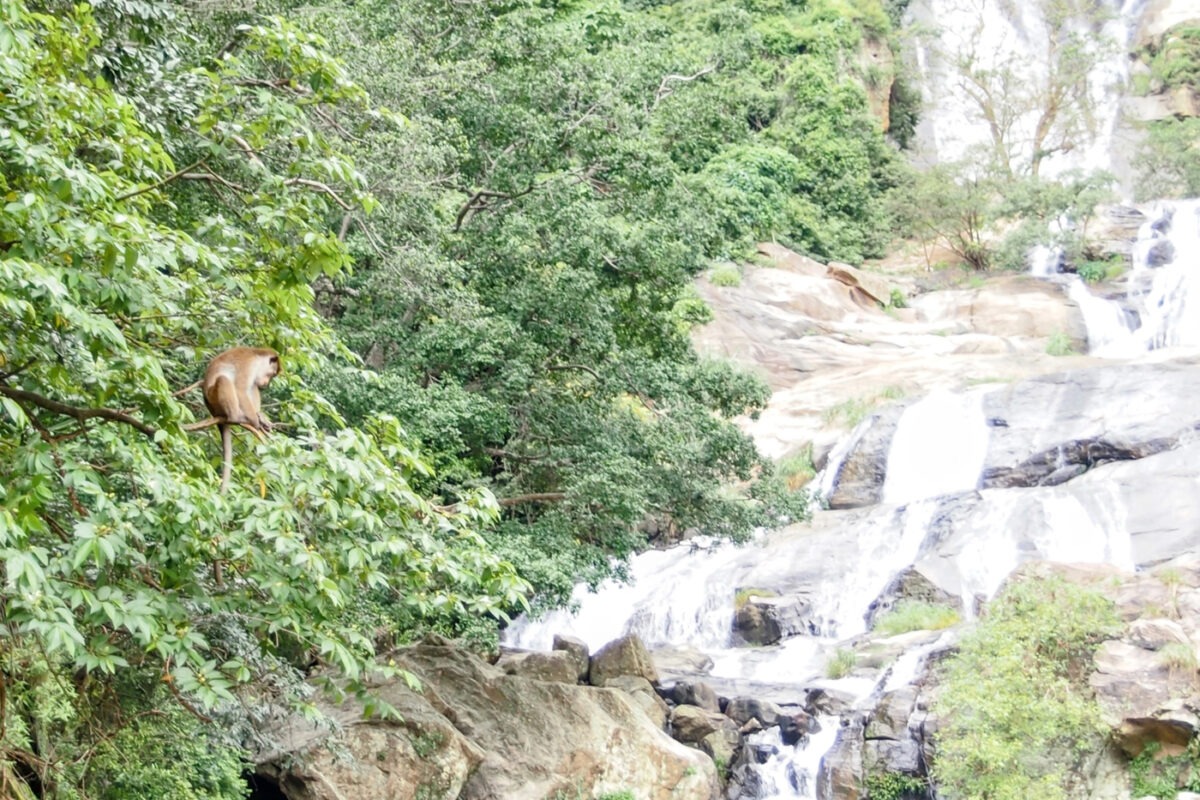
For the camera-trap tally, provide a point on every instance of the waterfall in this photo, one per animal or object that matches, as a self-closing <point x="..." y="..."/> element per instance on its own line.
<point x="1172" y="307"/>
<point x="1166" y="260"/>
<point x="791" y="771"/>
<point x="679" y="596"/>
<point x="938" y="448"/>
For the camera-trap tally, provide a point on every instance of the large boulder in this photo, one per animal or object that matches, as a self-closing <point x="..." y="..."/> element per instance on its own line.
<point x="625" y="656"/>
<point x="860" y="477"/>
<point x="475" y="733"/>
<point x="555" y="666"/>
<point x="578" y="651"/>
<point x="766" y="620"/>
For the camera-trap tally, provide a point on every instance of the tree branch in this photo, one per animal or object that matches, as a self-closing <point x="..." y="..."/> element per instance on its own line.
<point x="537" y="497"/>
<point x="665" y="90"/>
<point x="79" y="414"/>
<point x="322" y="187"/>
<point x="581" y="367"/>
<point x="173" y="176"/>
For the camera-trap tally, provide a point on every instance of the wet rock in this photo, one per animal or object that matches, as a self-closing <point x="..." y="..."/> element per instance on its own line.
<point x="825" y="700"/>
<point x="1087" y="418"/>
<point x="578" y="650"/>
<point x="889" y="719"/>
<point x="1160" y="253"/>
<point x="743" y="709"/>
<point x="794" y="727"/>
<point x="766" y="620"/>
<point x="624" y="656"/>
<point x="860" y="478"/>
<point x="891" y="755"/>
<point x="909" y="584"/>
<point x="553" y="666"/>
<point x="842" y="768"/>
<point x="695" y="693"/>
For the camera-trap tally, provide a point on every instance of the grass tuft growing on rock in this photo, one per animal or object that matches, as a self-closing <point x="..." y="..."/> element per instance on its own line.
<point x="916" y="615"/>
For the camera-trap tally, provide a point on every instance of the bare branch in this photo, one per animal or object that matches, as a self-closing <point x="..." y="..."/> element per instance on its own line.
<point x="161" y="183"/>
<point x="665" y="88"/>
<point x="322" y="187"/>
<point x="537" y="497"/>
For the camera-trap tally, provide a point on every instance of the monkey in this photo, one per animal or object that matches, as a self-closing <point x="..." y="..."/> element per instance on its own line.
<point x="231" y="387"/>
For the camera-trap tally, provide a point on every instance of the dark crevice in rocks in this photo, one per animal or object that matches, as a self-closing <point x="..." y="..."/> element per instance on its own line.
<point x="264" y="788"/>
<point x="1057" y="465"/>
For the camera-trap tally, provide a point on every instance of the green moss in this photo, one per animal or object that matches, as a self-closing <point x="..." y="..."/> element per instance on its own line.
<point x="743" y="595"/>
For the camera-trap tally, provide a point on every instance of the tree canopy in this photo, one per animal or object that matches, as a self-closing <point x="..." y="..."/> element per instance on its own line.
<point x="470" y="230"/>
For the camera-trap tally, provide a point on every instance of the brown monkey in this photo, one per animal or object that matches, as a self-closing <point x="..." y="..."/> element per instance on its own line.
<point x="231" y="392"/>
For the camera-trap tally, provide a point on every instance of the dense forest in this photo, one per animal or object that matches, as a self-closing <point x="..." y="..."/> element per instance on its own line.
<point x="471" y="231"/>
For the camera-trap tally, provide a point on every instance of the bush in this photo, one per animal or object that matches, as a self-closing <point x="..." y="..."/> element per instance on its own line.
<point x="725" y="275"/>
<point x="1060" y="344"/>
<point x="1019" y="716"/>
<point x="916" y="615"/>
<point x="1155" y="774"/>
<point x="894" y="786"/>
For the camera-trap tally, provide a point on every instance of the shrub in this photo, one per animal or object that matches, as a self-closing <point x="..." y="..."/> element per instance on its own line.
<point x="1154" y="774"/>
<point x="1019" y="716"/>
<point x="798" y="469"/>
<point x="894" y="786"/>
<point x="916" y="615"/>
<point x="725" y="275"/>
<point x="1059" y="344"/>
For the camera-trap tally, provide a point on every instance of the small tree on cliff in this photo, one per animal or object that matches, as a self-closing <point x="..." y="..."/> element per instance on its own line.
<point x="1032" y="87"/>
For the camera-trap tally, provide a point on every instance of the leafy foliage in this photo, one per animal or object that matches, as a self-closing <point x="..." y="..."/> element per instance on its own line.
<point x="894" y="786"/>
<point x="1155" y="774"/>
<point x="119" y="273"/>
<point x="1019" y="714"/>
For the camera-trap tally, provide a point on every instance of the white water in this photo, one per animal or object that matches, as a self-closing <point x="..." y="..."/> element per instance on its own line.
<point x="679" y="596"/>
<point x="792" y="771"/>
<point x="1169" y="306"/>
<point x="938" y="448"/>
<point x="1070" y="526"/>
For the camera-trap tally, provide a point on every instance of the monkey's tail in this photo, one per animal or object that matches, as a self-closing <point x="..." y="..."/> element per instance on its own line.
<point x="227" y="455"/>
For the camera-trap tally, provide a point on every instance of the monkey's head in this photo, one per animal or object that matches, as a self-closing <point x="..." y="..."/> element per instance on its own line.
<point x="271" y="366"/>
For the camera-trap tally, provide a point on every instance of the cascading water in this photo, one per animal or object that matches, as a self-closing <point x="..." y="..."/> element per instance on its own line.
<point x="1169" y="245"/>
<point x="1166" y="262"/>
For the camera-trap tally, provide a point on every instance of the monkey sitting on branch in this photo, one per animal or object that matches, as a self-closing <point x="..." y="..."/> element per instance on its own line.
<point x="231" y="391"/>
